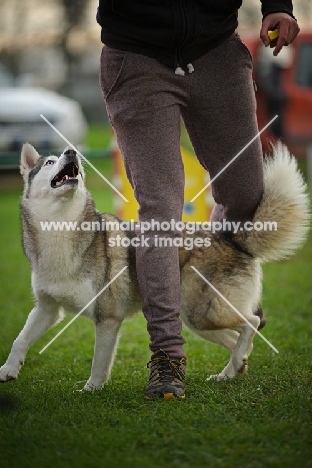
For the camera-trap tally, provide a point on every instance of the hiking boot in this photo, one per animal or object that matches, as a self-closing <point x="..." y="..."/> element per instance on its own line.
<point x="166" y="379"/>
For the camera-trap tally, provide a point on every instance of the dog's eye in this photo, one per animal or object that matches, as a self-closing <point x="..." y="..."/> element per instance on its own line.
<point x="49" y="162"/>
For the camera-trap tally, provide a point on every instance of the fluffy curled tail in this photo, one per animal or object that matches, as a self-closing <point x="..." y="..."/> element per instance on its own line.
<point x="285" y="203"/>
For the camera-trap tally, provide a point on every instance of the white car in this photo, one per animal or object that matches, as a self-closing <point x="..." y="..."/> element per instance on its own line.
<point x="20" y="121"/>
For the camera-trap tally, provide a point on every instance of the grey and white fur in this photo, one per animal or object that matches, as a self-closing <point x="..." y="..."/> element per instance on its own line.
<point x="70" y="267"/>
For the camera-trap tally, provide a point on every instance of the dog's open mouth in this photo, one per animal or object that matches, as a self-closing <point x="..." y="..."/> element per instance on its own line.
<point x="68" y="174"/>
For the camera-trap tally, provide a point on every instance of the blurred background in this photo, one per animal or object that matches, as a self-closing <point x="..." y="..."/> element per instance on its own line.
<point x="49" y="55"/>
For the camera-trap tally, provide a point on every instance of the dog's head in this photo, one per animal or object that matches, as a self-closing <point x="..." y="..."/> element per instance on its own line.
<point x="51" y="174"/>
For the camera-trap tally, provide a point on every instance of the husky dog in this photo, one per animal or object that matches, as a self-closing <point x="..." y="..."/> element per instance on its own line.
<point x="69" y="268"/>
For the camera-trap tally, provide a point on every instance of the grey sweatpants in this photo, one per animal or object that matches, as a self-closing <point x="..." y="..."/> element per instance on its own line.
<point x="145" y="101"/>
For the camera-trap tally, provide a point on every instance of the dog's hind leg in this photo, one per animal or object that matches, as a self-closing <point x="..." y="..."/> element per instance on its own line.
<point x="106" y="339"/>
<point x="239" y="354"/>
<point x="45" y="314"/>
<point x="240" y="346"/>
<point x="227" y="338"/>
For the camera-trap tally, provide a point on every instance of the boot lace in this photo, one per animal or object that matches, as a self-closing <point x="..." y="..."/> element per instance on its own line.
<point x="167" y="367"/>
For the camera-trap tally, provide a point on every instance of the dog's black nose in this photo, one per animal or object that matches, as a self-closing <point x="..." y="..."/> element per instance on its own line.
<point x="70" y="152"/>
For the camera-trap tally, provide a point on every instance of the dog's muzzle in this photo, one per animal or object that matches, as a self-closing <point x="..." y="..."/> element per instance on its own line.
<point x="69" y="173"/>
<point x="70" y="152"/>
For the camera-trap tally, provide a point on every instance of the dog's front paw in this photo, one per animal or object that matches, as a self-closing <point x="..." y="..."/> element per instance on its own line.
<point x="7" y="373"/>
<point x="90" y="387"/>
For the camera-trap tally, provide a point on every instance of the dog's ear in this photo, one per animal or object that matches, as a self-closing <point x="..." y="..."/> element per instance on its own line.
<point x="29" y="158"/>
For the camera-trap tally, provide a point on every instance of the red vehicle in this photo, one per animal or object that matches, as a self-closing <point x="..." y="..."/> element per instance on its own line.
<point x="286" y="90"/>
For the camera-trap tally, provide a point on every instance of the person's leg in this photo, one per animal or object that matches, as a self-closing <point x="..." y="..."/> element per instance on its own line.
<point x="221" y="120"/>
<point x="143" y="104"/>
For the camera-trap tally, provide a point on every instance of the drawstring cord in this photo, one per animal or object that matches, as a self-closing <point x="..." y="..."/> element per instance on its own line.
<point x="190" y="68"/>
<point x="181" y="72"/>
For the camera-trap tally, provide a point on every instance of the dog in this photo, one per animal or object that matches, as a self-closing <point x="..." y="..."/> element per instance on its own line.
<point x="70" y="267"/>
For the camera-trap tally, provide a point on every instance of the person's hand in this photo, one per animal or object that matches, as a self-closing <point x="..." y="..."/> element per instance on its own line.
<point x="288" y="30"/>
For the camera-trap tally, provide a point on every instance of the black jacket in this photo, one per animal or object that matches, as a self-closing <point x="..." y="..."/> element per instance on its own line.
<point x="175" y="32"/>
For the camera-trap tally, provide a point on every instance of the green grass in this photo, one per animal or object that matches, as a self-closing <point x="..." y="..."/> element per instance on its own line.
<point x="98" y="136"/>
<point x="261" y="419"/>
